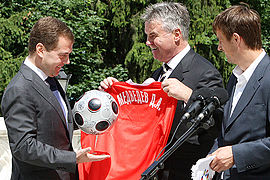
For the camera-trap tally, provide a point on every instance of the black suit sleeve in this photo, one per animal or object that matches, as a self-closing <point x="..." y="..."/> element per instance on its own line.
<point x="205" y="77"/>
<point x="211" y="79"/>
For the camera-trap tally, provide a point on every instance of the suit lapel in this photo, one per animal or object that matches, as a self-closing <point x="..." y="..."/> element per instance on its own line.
<point x="44" y="90"/>
<point x="157" y="73"/>
<point x="70" y="118"/>
<point x="228" y="106"/>
<point x="249" y="91"/>
<point x="177" y="73"/>
<point x="183" y="67"/>
<point x="69" y="115"/>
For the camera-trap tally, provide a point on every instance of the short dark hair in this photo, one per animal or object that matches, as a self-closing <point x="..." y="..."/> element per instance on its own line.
<point x="242" y="20"/>
<point x="47" y="31"/>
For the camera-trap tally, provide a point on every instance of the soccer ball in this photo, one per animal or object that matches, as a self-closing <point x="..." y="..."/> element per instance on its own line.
<point x="95" y="112"/>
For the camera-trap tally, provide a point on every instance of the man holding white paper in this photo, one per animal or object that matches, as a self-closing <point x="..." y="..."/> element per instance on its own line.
<point x="244" y="144"/>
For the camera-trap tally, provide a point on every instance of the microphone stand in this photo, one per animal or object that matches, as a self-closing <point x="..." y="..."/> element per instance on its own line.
<point x="159" y="164"/>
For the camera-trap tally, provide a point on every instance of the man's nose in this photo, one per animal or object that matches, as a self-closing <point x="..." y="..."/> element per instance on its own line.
<point x="67" y="61"/>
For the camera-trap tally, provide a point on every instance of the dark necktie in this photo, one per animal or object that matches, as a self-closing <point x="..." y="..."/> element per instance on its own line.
<point x="54" y="89"/>
<point x="52" y="83"/>
<point x="165" y="68"/>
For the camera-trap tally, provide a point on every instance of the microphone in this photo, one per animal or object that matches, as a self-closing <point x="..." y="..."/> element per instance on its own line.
<point x="219" y="98"/>
<point x="199" y="97"/>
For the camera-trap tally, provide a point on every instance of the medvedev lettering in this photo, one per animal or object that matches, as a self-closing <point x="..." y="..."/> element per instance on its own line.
<point x="138" y="97"/>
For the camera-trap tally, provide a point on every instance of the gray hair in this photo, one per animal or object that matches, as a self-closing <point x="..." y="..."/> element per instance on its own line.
<point x="172" y="15"/>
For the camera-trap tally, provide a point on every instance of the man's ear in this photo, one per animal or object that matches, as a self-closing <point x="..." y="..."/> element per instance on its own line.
<point x="40" y="48"/>
<point x="177" y="34"/>
<point x="236" y="38"/>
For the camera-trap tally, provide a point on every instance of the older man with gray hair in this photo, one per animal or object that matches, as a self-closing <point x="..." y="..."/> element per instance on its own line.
<point x="183" y="71"/>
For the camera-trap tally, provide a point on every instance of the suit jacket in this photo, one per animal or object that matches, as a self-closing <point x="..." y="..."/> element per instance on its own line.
<point x="195" y="72"/>
<point x="38" y="136"/>
<point x="248" y="129"/>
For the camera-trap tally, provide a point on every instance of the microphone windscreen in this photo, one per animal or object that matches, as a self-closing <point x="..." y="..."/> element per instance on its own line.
<point x="203" y="92"/>
<point x="221" y="94"/>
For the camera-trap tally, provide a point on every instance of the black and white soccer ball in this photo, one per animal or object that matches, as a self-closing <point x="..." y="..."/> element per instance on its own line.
<point x="95" y="112"/>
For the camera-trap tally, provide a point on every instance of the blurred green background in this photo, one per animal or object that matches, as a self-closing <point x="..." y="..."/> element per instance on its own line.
<point x="109" y="37"/>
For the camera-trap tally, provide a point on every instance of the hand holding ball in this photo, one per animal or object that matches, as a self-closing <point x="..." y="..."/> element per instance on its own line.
<point x="95" y="112"/>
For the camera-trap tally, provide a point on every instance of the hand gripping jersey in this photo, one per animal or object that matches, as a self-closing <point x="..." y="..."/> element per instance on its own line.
<point x="136" y="138"/>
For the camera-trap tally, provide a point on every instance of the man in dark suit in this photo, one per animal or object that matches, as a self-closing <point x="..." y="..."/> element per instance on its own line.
<point x="182" y="72"/>
<point x="36" y="110"/>
<point x="243" y="149"/>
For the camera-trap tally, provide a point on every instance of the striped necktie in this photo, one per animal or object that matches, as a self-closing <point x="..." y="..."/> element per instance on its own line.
<point x="165" y="68"/>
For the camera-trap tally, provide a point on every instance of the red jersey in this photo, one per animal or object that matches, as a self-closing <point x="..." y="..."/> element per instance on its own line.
<point x="136" y="138"/>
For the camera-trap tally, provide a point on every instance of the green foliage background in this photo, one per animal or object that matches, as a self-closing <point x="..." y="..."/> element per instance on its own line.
<point x="109" y="37"/>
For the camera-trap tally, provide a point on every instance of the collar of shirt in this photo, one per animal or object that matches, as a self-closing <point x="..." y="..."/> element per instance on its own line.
<point x="43" y="76"/>
<point x="244" y="76"/>
<point x="38" y="71"/>
<point x="176" y="59"/>
<point x="242" y="79"/>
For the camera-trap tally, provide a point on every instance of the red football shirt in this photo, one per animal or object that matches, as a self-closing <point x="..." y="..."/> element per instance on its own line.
<point x="136" y="138"/>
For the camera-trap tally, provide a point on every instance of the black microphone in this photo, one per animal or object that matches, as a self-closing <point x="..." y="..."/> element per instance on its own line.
<point x="219" y="98"/>
<point x="199" y="97"/>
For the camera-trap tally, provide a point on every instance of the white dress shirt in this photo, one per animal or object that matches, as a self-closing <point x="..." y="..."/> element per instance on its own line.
<point x="175" y="61"/>
<point x="43" y="76"/>
<point x="243" y="78"/>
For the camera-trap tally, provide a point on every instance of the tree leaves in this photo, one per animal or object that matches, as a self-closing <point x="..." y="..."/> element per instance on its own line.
<point x="109" y="37"/>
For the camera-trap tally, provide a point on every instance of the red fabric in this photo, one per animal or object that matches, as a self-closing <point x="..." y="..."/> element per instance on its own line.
<point x="139" y="134"/>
